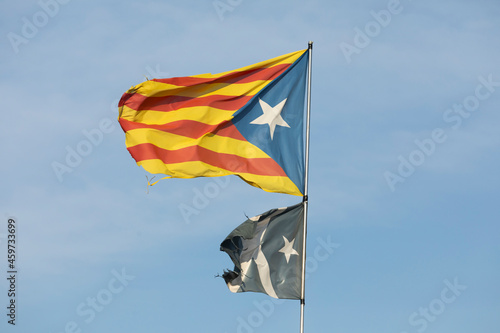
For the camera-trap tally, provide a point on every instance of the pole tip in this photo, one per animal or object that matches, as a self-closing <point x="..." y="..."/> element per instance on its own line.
<point x="310" y="44"/>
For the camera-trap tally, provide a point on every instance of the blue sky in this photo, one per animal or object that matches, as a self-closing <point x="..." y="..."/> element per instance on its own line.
<point x="403" y="219"/>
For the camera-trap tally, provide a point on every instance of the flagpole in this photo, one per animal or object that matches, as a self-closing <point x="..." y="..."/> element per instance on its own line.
<point x="305" y="199"/>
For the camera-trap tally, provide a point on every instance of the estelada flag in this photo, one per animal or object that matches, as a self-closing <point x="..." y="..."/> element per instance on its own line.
<point x="247" y="122"/>
<point x="267" y="253"/>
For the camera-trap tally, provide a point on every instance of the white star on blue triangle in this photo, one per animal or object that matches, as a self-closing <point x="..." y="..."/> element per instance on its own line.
<point x="271" y="116"/>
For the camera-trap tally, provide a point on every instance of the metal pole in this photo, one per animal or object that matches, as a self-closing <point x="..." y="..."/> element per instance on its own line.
<point x="303" y="287"/>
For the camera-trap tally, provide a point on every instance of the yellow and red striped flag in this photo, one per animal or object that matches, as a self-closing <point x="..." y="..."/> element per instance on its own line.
<point x="246" y="122"/>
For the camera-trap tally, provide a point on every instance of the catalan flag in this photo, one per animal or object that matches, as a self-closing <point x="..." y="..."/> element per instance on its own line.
<point x="247" y="122"/>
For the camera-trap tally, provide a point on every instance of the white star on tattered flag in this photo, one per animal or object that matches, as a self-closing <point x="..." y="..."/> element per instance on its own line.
<point x="271" y="116"/>
<point x="288" y="249"/>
